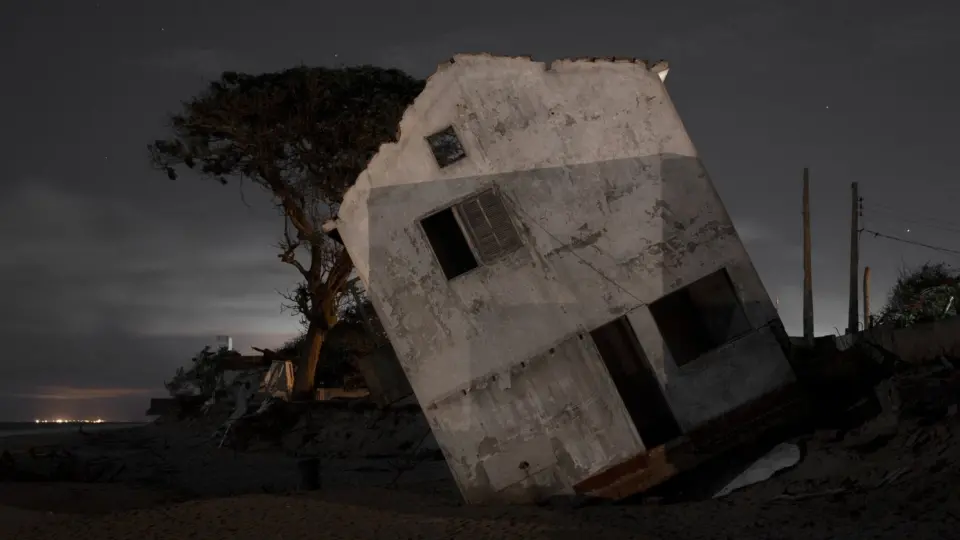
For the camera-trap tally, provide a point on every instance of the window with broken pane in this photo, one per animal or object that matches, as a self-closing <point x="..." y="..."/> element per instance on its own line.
<point x="489" y="225"/>
<point x="446" y="147"/>
<point x="483" y="219"/>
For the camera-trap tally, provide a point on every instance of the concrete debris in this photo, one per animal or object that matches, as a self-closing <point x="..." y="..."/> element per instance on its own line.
<point x="783" y="456"/>
<point x="278" y="381"/>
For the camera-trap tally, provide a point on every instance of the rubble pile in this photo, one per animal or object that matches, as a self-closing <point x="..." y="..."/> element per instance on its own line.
<point x="909" y="431"/>
<point x="358" y="429"/>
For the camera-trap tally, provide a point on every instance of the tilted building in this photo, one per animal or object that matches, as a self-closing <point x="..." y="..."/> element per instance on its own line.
<point x="560" y="280"/>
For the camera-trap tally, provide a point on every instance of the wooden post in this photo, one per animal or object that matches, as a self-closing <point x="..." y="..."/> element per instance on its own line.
<point x="853" y="315"/>
<point x="867" y="322"/>
<point x="807" y="262"/>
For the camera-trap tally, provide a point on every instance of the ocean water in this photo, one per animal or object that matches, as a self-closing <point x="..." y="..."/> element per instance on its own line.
<point x="10" y="429"/>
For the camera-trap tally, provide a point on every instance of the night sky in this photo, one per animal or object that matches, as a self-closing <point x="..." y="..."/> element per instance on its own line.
<point x="112" y="275"/>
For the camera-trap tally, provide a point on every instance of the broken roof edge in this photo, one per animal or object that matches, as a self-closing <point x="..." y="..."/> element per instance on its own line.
<point x="362" y="183"/>
<point x="330" y="229"/>
<point x="659" y="67"/>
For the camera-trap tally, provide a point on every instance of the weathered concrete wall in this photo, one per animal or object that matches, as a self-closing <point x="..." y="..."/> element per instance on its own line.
<point x="384" y="376"/>
<point x="545" y="422"/>
<point x="615" y="210"/>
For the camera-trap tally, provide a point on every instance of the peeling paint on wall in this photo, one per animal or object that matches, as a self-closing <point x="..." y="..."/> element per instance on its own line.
<point x="614" y="209"/>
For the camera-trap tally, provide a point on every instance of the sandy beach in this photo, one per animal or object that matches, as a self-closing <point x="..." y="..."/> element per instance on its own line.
<point x="170" y="480"/>
<point x="925" y="509"/>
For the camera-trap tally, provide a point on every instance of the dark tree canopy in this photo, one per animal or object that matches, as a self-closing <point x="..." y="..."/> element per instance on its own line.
<point x="316" y="124"/>
<point x="303" y="134"/>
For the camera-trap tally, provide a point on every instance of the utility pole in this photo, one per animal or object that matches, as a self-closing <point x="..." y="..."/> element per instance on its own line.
<point x="853" y="317"/>
<point x="807" y="262"/>
<point x="867" y="322"/>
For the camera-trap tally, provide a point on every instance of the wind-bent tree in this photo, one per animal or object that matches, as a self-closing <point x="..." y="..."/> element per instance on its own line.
<point x="304" y="135"/>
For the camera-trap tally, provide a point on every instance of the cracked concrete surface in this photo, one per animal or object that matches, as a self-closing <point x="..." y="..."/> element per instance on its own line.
<point x="614" y="210"/>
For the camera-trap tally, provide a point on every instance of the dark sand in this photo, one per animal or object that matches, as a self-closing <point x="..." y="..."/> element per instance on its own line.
<point x="905" y="487"/>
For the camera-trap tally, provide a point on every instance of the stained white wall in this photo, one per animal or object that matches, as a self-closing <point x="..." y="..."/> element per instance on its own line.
<point x="615" y="210"/>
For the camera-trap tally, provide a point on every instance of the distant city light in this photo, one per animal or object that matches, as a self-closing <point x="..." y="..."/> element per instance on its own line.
<point x="65" y="421"/>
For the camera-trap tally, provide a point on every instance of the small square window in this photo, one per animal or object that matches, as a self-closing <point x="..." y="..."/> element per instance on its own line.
<point x="700" y="317"/>
<point x="446" y="147"/>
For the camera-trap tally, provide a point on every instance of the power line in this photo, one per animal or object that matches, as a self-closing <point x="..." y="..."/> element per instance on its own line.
<point x="905" y="241"/>
<point x="884" y="221"/>
<point x="947" y="225"/>
<point x="913" y="222"/>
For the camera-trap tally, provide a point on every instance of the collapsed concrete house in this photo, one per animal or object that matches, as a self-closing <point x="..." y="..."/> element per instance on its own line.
<point x="560" y="280"/>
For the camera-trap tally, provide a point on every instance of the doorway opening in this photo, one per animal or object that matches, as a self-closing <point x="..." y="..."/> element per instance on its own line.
<point x="636" y="382"/>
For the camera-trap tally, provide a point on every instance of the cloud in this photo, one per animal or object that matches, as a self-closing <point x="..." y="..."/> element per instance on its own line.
<point x="106" y="294"/>
<point x="108" y="374"/>
<point x="754" y="232"/>
<point x="767" y="242"/>
<point x="76" y="262"/>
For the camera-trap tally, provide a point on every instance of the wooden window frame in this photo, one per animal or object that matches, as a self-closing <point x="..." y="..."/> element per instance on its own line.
<point x="470" y="234"/>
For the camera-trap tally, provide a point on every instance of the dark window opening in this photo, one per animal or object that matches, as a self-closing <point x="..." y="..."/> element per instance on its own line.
<point x="636" y="382"/>
<point x="448" y="243"/>
<point x="483" y="217"/>
<point x="700" y="317"/>
<point x="446" y="147"/>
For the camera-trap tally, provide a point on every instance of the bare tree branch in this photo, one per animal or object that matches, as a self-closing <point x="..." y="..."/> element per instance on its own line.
<point x="289" y="245"/>
<point x="304" y="135"/>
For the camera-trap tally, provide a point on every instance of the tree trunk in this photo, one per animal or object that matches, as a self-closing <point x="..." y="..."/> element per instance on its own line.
<point x="322" y="316"/>
<point x="307" y="365"/>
